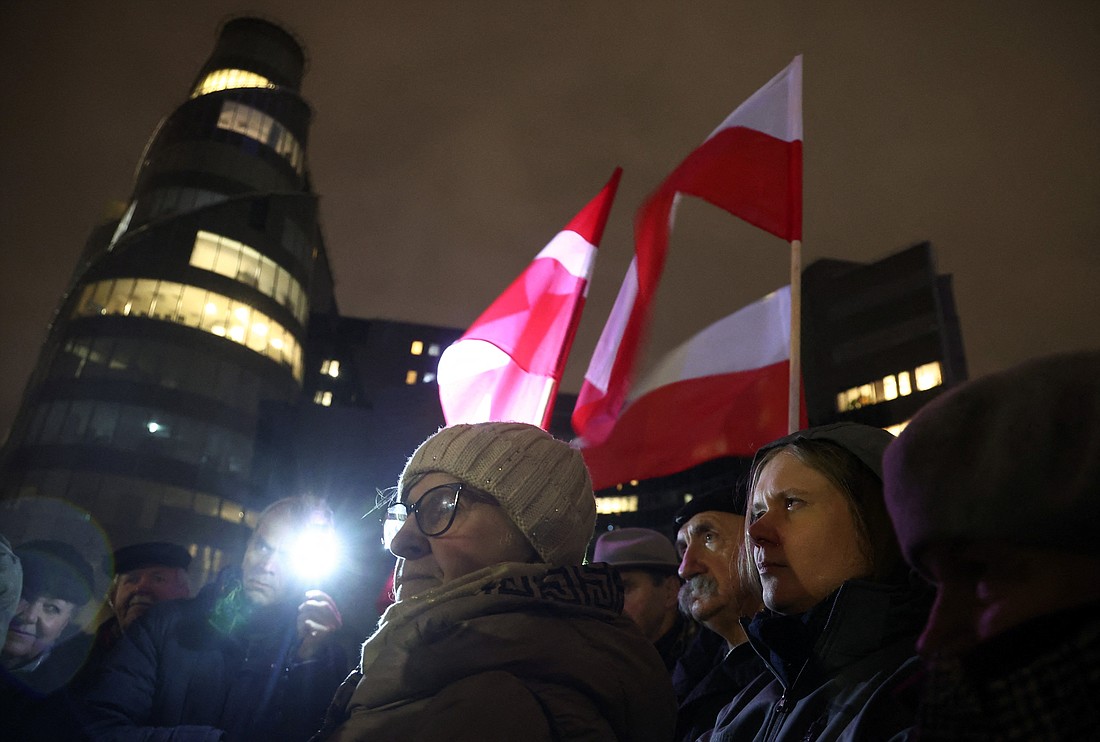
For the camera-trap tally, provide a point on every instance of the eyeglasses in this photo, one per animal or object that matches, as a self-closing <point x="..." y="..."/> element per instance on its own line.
<point x="434" y="512"/>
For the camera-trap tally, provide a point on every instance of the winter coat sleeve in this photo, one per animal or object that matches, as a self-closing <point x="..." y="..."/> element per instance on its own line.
<point x="309" y="690"/>
<point x="121" y="699"/>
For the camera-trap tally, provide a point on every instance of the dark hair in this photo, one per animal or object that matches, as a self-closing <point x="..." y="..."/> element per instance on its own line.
<point x="862" y="489"/>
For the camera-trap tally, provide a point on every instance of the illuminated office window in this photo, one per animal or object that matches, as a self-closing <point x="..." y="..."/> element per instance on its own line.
<point x="256" y="124"/>
<point x="904" y="387"/>
<point x="245" y="264"/>
<point x="330" y="367"/>
<point x="410" y="377"/>
<point x="232" y="511"/>
<point x="896" y="429"/>
<point x="928" y="376"/>
<point x="623" y="504"/>
<point x="417" y="348"/>
<point x="195" y="307"/>
<point x="890" y="387"/>
<point x="229" y="79"/>
<point x="429" y="377"/>
<point x="433" y="349"/>
<point x="323" y="398"/>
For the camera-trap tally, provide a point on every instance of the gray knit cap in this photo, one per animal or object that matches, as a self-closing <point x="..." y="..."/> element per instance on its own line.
<point x="1013" y="456"/>
<point x="541" y="482"/>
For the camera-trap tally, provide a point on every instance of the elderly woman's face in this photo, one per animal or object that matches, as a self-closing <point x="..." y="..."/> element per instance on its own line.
<point x="804" y="540"/>
<point x="36" y="626"/>
<point x="481" y="535"/>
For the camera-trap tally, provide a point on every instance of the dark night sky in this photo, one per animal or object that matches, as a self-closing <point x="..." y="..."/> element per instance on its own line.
<point x="451" y="141"/>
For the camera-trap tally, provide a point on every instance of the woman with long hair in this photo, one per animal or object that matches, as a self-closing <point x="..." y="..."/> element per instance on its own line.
<point x="842" y="608"/>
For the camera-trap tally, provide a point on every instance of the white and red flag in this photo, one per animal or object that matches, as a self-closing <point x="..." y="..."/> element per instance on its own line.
<point x="722" y="393"/>
<point x="751" y="166"/>
<point x="507" y="366"/>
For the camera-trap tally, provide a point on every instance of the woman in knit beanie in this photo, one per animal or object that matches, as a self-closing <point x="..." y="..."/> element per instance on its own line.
<point x="499" y="632"/>
<point x="843" y="610"/>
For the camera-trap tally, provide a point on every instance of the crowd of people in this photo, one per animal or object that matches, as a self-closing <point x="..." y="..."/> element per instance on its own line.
<point x="941" y="585"/>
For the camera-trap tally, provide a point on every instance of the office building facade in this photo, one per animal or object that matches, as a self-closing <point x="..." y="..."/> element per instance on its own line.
<point x="185" y="316"/>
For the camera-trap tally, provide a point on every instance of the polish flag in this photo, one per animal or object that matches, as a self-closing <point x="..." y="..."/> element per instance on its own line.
<point x="508" y="364"/>
<point x="751" y="166"/>
<point x="722" y="393"/>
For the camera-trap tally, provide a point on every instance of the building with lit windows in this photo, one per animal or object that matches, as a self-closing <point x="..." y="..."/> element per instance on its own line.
<point x="879" y="341"/>
<point x="186" y="317"/>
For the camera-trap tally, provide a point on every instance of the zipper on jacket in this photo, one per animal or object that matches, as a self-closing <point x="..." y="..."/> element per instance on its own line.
<point x="779" y="712"/>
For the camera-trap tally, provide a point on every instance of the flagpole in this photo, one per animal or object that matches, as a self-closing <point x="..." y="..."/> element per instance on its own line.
<point x="794" y="386"/>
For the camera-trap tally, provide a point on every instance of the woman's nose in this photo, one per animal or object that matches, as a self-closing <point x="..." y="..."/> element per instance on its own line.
<point x="761" y="529"/>
<point x="409" y="542"/>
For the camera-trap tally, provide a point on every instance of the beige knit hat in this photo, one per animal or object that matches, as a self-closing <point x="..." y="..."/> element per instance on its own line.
<point x="541" y="482"/>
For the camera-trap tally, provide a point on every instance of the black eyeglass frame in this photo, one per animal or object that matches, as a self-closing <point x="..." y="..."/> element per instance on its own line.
<point x="414" y="508"/>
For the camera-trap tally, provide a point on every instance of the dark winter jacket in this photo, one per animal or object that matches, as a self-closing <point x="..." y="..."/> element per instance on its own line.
<point x="35" y="704"/>
<point x="845" y="670"/>
<point x="175" y="676"/>
<point x="707" y="678"/>
<point x="676" y="641"/>
<point x="510" y="652"/>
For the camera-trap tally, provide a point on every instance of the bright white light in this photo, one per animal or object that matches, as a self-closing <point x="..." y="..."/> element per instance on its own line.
<point x="153" y="426"/>
<point x="316" y="554"/>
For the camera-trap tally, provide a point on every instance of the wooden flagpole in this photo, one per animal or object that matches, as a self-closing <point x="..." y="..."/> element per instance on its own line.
<point x="794" y="386"/>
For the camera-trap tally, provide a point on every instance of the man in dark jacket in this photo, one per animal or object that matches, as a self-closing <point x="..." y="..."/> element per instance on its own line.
<point x="251" y="658"/>
<point x="144" y="574"/>
<point x="719" y="663"/>
<point x="646" y="561"/>
<point x="994" y="491"/>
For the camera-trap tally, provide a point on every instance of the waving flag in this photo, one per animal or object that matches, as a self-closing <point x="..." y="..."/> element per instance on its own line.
<point x="722" y="393"/>
<point x="508" y="364"/>
<point x="751" y="166"/>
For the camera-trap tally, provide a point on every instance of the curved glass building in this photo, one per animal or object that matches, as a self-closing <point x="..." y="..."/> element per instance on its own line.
<point x="185" y="317"/>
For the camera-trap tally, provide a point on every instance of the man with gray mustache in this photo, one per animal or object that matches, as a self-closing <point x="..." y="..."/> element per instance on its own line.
<point x="720" y="662"/>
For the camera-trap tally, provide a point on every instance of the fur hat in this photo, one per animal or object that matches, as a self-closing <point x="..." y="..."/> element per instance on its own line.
<point x="149" y="554"/>
<point x="1013" y="456"/>
<point x="541" y="482"/>
<point x="55" y="569"/>
<point x="637" y="548"/>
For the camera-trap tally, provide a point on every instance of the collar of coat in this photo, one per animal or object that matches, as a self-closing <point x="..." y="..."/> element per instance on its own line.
<point x="858" y="618"/>
<point x="501" y="588"/>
